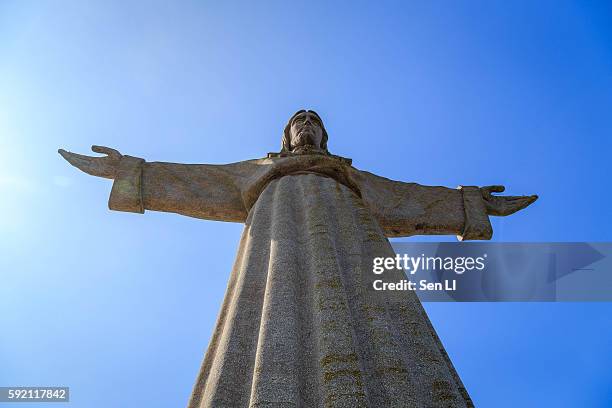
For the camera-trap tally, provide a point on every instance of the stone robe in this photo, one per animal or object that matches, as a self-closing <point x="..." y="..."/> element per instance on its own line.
<point x="300" y="325"/>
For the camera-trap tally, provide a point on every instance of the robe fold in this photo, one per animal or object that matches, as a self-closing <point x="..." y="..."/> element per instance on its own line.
<point x="300" y="325"/>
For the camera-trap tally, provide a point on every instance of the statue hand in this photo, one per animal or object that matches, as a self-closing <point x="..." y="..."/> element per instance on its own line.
<point x="500" y="205"/>
<point x="105" y="166"/>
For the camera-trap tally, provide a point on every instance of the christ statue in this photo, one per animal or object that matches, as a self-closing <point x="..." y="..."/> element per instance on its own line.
<point x="300" y="325"/>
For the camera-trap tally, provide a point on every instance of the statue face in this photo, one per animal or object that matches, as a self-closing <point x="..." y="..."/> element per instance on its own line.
<point x="306" y="130"/>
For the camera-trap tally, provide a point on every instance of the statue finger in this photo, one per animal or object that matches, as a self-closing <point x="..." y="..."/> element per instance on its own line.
<point x="510" y="199"/>
<point x="79" y="161"/>
<point x="63" y="153"/>
<point x="518" y="203"/>
<point x="105" y="150"/>
<point x="530" y="199"/>
<point x="494" y="189"/>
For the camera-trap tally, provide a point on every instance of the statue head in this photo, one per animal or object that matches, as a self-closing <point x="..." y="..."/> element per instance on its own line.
<point x="304" y="130"/>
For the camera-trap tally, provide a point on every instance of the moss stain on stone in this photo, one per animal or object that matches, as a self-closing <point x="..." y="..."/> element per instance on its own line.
<point x="443" y="391"/>
<point x="354" y="374"/>
<point x="333" y="283"/>
<point x="338" y="358"/>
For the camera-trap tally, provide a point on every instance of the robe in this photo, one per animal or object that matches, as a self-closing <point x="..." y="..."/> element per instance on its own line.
<point x="300" y="325"/>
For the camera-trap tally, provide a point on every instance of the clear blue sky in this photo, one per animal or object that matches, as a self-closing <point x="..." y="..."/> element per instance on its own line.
<point x="120" y="306"/>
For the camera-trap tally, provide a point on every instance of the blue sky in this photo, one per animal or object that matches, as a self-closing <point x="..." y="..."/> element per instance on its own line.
<point x="120" y="307"/>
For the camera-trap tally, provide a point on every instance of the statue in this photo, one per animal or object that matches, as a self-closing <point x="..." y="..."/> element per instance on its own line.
<point x="299" y="326"/>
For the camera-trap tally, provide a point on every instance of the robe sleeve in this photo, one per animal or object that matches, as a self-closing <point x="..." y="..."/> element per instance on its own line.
<point x="211" y="192"/>
<point x="405" y="209"/>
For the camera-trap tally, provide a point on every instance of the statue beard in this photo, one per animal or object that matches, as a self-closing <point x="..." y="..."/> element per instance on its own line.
<point x="304" y="139"/>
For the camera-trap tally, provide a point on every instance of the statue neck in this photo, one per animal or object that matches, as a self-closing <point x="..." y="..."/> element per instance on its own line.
<point x="307" y="150"/>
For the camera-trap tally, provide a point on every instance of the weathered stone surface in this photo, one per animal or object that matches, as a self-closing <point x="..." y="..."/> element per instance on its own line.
<point x="299" y="325"/>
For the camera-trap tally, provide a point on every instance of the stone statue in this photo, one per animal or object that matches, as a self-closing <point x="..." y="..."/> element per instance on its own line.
<point x="299" y="325"/>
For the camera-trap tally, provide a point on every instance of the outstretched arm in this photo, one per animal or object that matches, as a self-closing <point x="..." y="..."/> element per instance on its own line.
<point x="405" y="209"/>
<point x="198" y="190"/>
